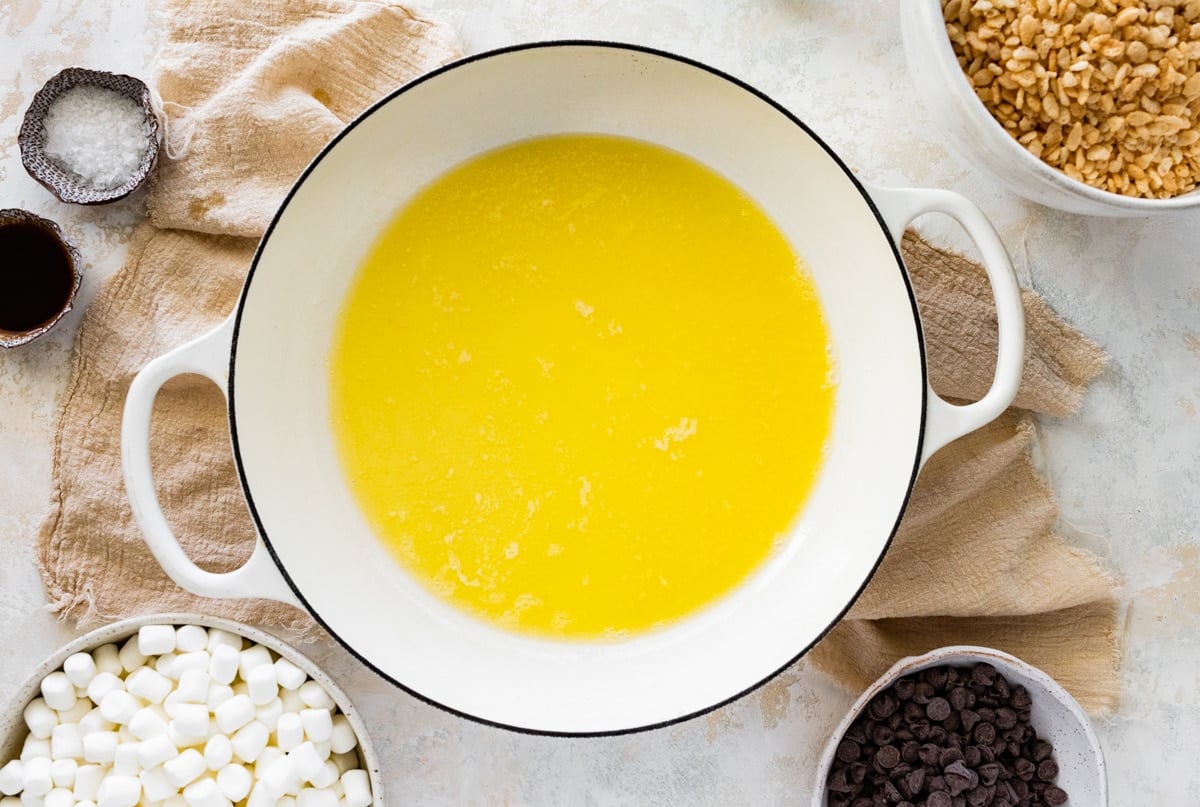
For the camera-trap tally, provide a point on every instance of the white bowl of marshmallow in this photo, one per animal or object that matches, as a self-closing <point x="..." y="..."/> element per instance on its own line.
<point x="182" y="710"/>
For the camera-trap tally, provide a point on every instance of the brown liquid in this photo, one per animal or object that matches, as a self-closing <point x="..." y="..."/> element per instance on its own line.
<point x="35" y="276"/>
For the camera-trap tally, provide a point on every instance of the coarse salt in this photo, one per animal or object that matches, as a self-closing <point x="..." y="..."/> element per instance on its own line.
<point x="98" y="134"/>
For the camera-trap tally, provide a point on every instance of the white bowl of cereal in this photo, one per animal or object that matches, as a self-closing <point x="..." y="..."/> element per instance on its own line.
<point x="183" y="709"/>
<point x="1091" y="110"/>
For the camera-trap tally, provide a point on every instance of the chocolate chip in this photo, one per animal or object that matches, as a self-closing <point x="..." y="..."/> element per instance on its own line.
<point x="939" y="799"/>
<point x="1020" y="698"/>
<point x="969" y="718"/>
<point x="883" y="706"/>
<point x="984" y="674"/>
<point x="984" y="733"/>
<point x="910" y="752"/>
<point x="936" y="676"/>
<point x="949" y="756"/>
<point x="989" y="772"/>
<point x="887" y="757"/>
<point x="1006" y="718"/>
<point x="848" y="751"/>
<point x="960" y="698"/>
<point x="1047" y="770"/>
<point x="1042" y="750"/>
<point x="904" y="688"/>
<point x="929" y="754"/>
<point x="923" y="691"/>
<point x="1024" y="769"/>
<point x="938" y="709"/>
<point x="1054" y="796"/>
<point x="915" y="780"/>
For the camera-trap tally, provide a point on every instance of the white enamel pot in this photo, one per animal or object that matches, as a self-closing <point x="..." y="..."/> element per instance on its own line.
<point x="317" y="550"/>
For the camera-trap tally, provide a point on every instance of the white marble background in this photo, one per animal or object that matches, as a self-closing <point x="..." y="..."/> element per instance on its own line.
<point x="1125" y="468"/>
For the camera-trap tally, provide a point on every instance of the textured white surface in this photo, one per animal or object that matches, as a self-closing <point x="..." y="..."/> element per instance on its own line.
<point x="1125" y="469"/>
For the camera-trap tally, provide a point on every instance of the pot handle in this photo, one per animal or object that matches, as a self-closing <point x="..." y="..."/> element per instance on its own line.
<point x="944" y="421"/>
<point x="208" y="355"/>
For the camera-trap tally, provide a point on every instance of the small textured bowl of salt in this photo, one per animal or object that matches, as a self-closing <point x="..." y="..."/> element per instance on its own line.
<point x="90" y="136"/>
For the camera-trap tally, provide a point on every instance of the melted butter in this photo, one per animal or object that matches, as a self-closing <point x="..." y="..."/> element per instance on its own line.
<point x="581" y="386"/>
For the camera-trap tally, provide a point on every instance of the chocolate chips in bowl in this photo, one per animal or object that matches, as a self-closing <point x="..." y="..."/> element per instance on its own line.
<point x="963" y="727"/>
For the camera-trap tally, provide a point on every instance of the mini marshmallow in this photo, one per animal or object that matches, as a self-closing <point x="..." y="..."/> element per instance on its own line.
<point x="223" y="664"/>
<point x="35" y="776"/>
<point x="165" y="664"/>
<point x="342" y="737"/>
<point x="40" y="718"/>
<point x="266" y="759"/>
<point x="260" y="796"/>
<point x="62" y="772"/>
<point x="318" y="724"/>
<point x="148" y="684"/>
<point x="154" y="640"/>
<point x="268" y="714"/>
<point x="29" y="800"/>
<point x="328" y="774"/>
<point x="131" y="658"/>
<point x="315" y="797"/>
<point x="315" y="696"/>
<point x="108" y="659"/>
<point x="87" y="782"/>
<point x="280" y="777"/>
<point x="345" y="762"/>
<point x="100" y="746"/>
<point x="102" y="684"/>
<point x="234" y="713"/>
<point x="58" y="691"/>
<point x="191" y="719"/>
<point x="80" y="668"/>
<point x="119" y="706"/>
<point x="218" y="694"/>
<point x="125" y="759"/>
<point x="146" y="723"/>
<point x="190" y="638"/>
<point x="154" y="751"/>
<point x="253" y="656"/>
<point x="306" y="760"/>
<point x="204" y="793"/>
<point x="12" y="777"/>
<point x="218" y="752"/>
<point x="82" y="706"/>
<point x="262" y="685"/>
<point x="59" y="797"/>
<point x="357" y="788"/>
<point x="288" y="674"/>
<point x="217" y="637"/>
<point x="181" y="740"/>
<point x="289" y="731"/>
<point x="94" y="721"/>
<point x="193" y="686"/>
<point x="234" y="781"/>
<point x="291" y="701"/>
<point x="185" y="768"/>
<point x="155" y="786"/>
<point x="35" y="747"/>
<point x="66" y="742"/>
<point x="249" y="741"/>
<point x="196" y="660"/>
<point x="119" y="791"/>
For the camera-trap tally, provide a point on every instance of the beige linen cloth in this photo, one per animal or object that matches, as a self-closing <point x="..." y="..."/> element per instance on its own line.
<point x="252" y="91"/>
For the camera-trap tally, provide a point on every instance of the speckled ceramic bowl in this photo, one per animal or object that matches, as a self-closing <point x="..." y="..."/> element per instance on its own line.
<point x="66" y="185"/>
<point x="16" y="216"/>
<point x="12" y="724"/>
<point x="1055" y="715"/>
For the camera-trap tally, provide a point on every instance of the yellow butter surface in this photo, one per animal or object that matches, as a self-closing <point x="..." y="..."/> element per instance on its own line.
<point x="581" y="386"/>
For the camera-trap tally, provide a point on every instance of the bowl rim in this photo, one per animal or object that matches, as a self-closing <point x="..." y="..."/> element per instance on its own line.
<point x="959" y="655"/>
<point x="548" y="44"/>
<point x="960" y="87"/>
<point x="123" y="629"/>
